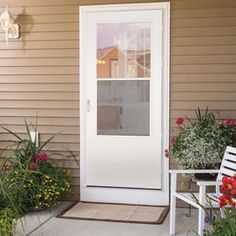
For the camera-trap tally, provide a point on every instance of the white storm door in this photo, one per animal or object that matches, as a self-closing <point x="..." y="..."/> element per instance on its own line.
<point x="123" y="101"/>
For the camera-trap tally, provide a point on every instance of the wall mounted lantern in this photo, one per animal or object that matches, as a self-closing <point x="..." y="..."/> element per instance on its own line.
<point x="11" y="29"/>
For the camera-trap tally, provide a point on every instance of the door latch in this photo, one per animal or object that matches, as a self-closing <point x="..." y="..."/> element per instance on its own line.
<point x="88" y="105"/>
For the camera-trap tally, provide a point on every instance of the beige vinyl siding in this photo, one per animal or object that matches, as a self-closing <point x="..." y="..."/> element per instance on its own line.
<point x="39" y="74"/>
<point x="40" y="71"/>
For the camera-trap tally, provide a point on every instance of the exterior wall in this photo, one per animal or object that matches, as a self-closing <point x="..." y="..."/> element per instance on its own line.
<point x="39" y="72"/>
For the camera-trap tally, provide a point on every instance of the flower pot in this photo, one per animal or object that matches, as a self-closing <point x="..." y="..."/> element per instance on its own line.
<point x="205" y="176"/>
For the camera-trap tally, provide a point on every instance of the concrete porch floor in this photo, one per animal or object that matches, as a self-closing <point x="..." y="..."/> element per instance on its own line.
<point x="46" y="224"/>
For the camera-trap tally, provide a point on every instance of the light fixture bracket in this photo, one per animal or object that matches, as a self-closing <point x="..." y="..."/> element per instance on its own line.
<point x="14" y="32"/>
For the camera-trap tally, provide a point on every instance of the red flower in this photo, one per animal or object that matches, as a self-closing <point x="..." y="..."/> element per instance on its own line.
<point x="231" y="122"/>
<point x="225" y="122"/>
<point x="226" y="200"/>
<point x="179" y="121"/>
<point x="233" y="190"/>
<point x="167" y="153"/>
<point x="33" y="165"/>
<point x="42" y="157"/>
<point x="227" y="184"/>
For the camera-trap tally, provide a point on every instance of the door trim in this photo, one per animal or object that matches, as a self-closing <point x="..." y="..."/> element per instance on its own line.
<point x="122" y="195"/>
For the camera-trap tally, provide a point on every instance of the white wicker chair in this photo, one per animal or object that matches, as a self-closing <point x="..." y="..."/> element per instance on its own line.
<point x="228" y="168"/>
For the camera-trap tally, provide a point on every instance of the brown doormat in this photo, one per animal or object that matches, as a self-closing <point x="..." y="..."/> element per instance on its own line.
<point x="116" y="213"/>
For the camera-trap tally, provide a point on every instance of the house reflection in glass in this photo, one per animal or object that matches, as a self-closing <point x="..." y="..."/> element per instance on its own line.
<point x="123" y="50"/>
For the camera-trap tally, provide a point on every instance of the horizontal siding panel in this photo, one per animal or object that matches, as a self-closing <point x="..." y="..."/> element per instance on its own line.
<point x="24" y="112"/>
<point x="204" y="31"/>
<point x="75" y="181"/>
<point x="61" y="138"/>
<point x="12" y="3"/>
<point x="38" y="62"/>
<point x="203" y="59"/>
<point x="203" y="87"/>
<point x="186" y="4"/>
<point x="68" y="150"/>
<point x="210" y="104"/>
<point x="39" y="79"/>
<point x="47" y="19"/>
<point x="47" y="129"/>
<point x="203" y="78"/>
<point x="206" y="40"/>
<point x="42" y="36"/>
<point x="204" y="50"/>
<point x="74" y="172"/>
<point x="39" y="87"/>
<point x="68" y="163"/>
<point x="66" y="44"/>
<point x="54" y="121"/>
<point x="56" y="147"/>
<point x="191" y="69"/>
<point x="40" y="104"/>
<point x="43" y="138"/>
<point x="69" y="70"/>
<point x="204" y="22"/>
<point x="191" y="114"/>
<point x="52" y="53"/>
<point x="62" y="27"/>
<point x="70" y="96"/>
<point x="44" y="10"/>
<point x="200" y="96"/>
<point x="207" y="12"/>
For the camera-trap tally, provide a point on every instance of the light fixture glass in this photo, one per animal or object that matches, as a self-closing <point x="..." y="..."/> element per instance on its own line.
<point x="7" y="24"/>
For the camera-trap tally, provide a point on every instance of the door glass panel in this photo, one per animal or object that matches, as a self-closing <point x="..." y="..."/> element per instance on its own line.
<point x="123" y="107"/>
<point x="123" y="50"/>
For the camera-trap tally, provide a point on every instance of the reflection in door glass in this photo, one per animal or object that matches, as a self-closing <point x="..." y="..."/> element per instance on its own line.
<point x="123" y="50"/>
<point x="123" y="108"/>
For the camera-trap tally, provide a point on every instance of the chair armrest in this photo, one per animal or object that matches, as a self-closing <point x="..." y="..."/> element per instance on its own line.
<point x="211" y="171"/>
<point x="208" y="183"/>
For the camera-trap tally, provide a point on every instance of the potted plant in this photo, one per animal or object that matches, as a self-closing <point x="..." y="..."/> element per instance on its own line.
<point x="200" y="143"/>
<point x="35" y="183"/>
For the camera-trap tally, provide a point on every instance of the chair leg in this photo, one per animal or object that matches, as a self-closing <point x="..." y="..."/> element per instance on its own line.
<point x="173" y="204"/>
<point x="172" y="214"/>
<point x="201" y="222"/>
<point x="201" y="211"/>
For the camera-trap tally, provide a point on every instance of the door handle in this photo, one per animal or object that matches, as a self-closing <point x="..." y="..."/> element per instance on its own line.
<point x="88" y="105"/>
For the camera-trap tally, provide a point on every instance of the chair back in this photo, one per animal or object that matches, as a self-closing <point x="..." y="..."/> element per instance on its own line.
<point x="228" y="165"/>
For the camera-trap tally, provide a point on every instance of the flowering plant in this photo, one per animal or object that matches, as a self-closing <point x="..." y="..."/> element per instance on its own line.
<point x="225" y="225"/>
<point x="200" y="144"/>
<point x="228" y="188"/>
<point x="29" y="180"/>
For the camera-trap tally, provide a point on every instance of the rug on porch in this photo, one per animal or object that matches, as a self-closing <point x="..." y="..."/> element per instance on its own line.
<point x="116" y="212"/>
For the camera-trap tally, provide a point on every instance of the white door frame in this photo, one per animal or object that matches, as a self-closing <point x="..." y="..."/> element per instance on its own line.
<point x="120" y="195"/>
